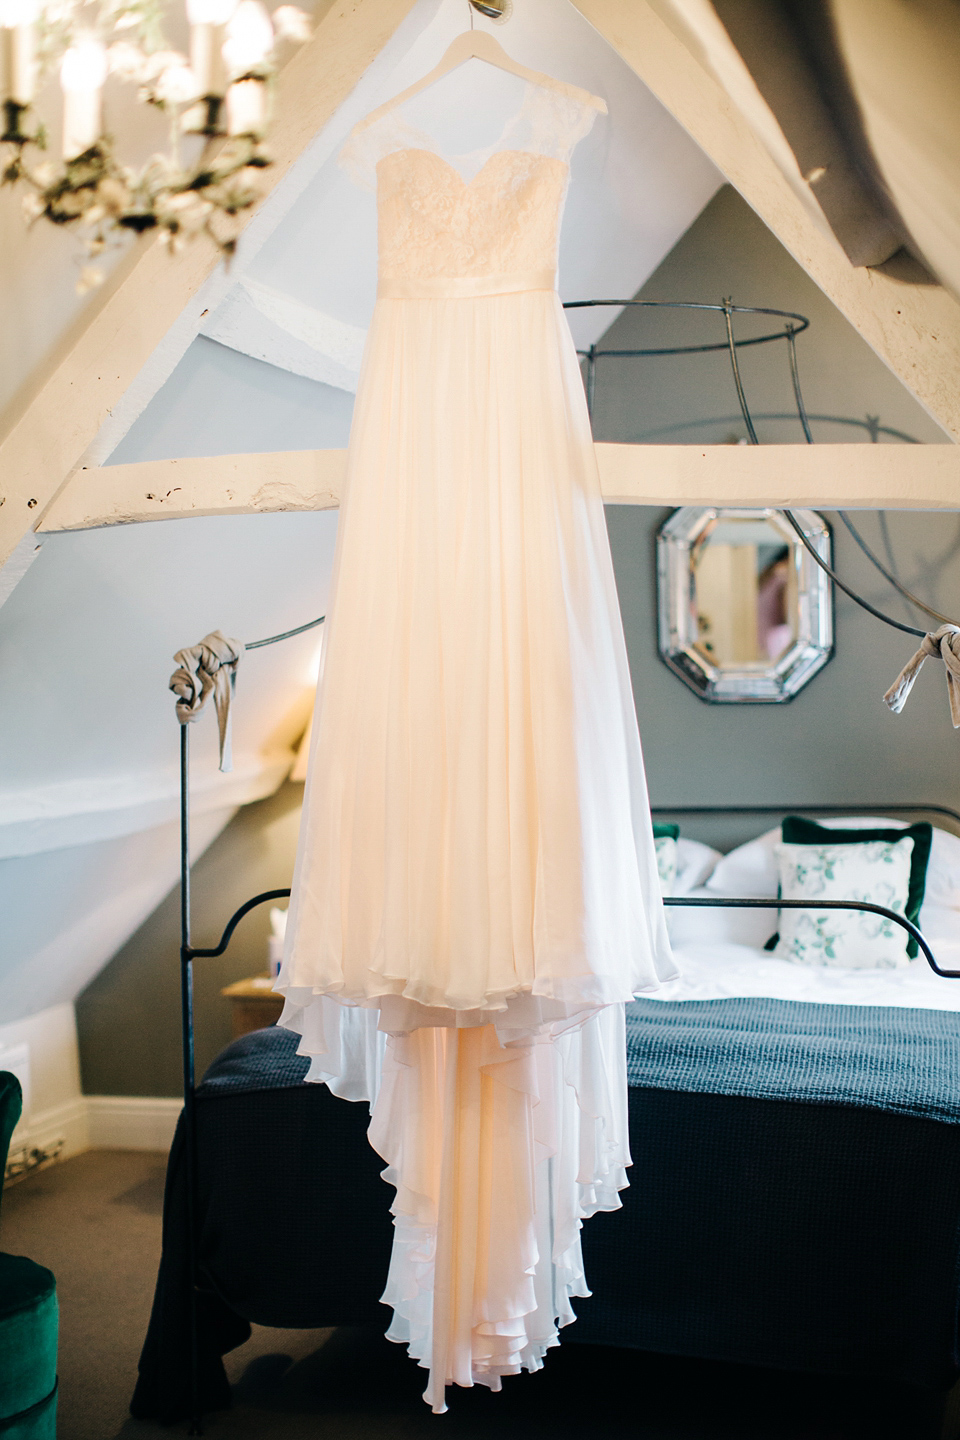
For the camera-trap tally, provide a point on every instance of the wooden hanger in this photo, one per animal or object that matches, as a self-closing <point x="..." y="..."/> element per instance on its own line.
<point x="480" y="45"/>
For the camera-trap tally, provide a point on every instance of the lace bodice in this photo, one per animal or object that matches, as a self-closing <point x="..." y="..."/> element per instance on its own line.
<point x="503" y="220"/>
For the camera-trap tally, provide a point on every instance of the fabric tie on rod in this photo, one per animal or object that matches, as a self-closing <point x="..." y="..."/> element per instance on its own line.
<point x="205" y="669"/>
<point x="944" y="642"/>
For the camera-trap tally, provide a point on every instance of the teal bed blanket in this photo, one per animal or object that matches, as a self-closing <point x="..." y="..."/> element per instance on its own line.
<point x="874" y="1057"/>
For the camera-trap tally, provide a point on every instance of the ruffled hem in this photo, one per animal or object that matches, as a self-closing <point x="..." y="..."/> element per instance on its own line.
<point x="498" y="1153"/>
<point x="549" y="1007"/>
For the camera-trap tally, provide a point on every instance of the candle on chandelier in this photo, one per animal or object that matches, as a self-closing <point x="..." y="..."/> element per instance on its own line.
<point x="208" y="19"/>
<point x="249" y="41"/>
<point x="18" y="50"/>
<point x="249" y="38"/>
<point x="82" y="76"/>
<point x="247" y="108"/>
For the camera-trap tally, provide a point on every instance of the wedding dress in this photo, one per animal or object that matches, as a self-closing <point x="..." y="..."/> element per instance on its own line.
<point x="476" y="894"/>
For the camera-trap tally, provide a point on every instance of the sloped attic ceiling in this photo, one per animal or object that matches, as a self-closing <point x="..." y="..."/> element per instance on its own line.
<point x="302" y="290"/>
<point x="87" y="638"/>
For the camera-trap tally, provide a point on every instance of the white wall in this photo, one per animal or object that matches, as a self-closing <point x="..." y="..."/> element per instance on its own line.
<point x="89" y="738"/>
<point x="86" y="651"/>
<point x="50" y="1073"/>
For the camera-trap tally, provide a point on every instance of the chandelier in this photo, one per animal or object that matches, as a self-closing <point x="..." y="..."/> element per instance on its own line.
<point x="216" y="103"/>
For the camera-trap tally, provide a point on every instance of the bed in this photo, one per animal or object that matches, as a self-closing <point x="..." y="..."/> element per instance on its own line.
<point x="794" y="1199"/>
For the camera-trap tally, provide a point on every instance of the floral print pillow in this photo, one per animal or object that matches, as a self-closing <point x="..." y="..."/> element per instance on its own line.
<point x="874" y="870"/>
<point x="666" y="848"/>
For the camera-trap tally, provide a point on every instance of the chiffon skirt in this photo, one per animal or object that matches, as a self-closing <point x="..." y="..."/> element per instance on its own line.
<point x="476" y="892"/>
<point x="498" y="1154"/>
<point x="475" y="824"/>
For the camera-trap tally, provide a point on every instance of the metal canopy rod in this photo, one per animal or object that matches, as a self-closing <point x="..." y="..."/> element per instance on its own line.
<point x="189" y="1090"/>
<point x="287" y="634"/>
<point x="692" y="349"/>
<point x="858" y="599"/>
<point x="855" y="533"/>
<point x="649" y="436"/>
<point x="802" y="323"/>
<point x="732" y="346"/>
<point x="801" y="411"/>
<point x="795" y="378"/>
<point x="873" y="427"/>
<point x="887" y="575"/>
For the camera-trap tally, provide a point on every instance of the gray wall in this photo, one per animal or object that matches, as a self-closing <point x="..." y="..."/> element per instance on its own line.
<point x="128" y="1018"/>
<point x="835" y="741"/>
<point x="728" y="253"/>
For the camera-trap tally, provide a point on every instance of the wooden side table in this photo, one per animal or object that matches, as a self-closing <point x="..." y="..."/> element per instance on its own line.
<point x="253" y="1005"/>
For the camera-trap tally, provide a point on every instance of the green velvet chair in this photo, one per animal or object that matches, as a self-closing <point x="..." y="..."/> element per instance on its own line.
<point x="28" y="1321"/>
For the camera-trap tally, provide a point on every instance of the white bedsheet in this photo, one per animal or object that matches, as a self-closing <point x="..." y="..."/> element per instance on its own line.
<point x="717" y="971"/>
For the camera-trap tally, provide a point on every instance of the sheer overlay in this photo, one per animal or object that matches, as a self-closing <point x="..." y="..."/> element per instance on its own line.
<point x="476" y="891"/>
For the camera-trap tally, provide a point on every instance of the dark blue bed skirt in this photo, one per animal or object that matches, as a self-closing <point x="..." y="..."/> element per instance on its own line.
<point x="794" y="1200"/>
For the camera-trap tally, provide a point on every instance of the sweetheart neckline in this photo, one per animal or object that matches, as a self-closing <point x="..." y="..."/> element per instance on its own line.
<point x="448" y="164"/>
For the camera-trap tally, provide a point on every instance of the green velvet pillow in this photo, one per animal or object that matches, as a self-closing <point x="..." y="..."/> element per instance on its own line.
<point x="662" y="831"/>
<point x="798" y="831"/>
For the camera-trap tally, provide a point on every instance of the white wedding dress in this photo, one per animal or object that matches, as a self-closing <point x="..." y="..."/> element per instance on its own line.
<point x="476" y="891"/>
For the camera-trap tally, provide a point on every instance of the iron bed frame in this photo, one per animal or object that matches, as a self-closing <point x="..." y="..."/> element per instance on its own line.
<point x="189" y="953"/>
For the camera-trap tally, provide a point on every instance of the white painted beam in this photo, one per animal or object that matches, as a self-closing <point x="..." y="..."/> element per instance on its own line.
<point x="268" y="325"/>
<point x="83" y="811"/>
<point x="820" y="477"/>
<point x="913" y="327"/>
<point x="48" y="434"/>
<point x="220" y="485"/>
<point x="884" y="477"/>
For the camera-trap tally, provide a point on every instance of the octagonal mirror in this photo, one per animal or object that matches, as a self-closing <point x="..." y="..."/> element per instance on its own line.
<point x="745" y="613"/>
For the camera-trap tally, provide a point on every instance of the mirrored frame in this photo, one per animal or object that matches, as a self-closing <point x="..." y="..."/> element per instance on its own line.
<point x="692" y="646"/>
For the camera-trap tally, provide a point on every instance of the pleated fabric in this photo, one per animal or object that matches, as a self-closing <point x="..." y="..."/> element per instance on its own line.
<point x="476" y="823"/>
<point x="476" y="893"/>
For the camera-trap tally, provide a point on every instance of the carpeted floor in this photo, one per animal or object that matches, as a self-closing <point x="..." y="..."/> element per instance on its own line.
<point x="95" y="1221"/>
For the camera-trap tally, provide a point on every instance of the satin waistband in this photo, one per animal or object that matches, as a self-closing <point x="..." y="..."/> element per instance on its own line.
<point x="463" y="287"/>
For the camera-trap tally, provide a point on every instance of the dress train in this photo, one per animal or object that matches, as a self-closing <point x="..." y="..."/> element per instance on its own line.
<point x="498" y="1152"/>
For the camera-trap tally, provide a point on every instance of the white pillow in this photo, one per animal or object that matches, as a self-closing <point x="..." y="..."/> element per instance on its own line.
<point x="943" y="871"/>
<point x="695" y="865"/>
<point x="666" y="849"/>
<point x="940" y="924"/>
<point x="750" y="869"/>
<point x="874" y="870"/>
<point x="703" y="925"/>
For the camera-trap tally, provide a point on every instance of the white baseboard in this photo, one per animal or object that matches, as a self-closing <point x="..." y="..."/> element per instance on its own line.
<point x="63" y="1127"/>
<point x="100" y="1122"/>
<point x="131" y="1122"/>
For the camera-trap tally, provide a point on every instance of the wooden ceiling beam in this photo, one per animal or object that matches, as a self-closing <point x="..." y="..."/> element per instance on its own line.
<point x="54" y="424"/>
<point x="831" y="477"/>
<point x="913" y="326"/>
